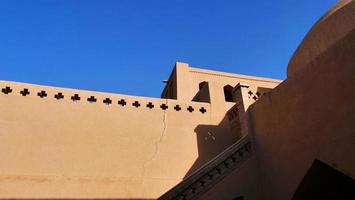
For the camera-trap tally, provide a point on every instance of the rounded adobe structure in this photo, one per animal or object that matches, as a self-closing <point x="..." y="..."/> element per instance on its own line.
<point x="334" y="25"/>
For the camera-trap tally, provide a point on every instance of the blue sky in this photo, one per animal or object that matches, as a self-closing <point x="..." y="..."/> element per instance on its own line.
<point x="129" y="46"/>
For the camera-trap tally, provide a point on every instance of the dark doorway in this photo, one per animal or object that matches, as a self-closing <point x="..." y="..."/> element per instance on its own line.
<point x="325" y="182"/>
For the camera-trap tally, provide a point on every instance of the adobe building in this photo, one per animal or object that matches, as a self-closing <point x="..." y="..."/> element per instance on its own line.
<point x="211" y="135"/>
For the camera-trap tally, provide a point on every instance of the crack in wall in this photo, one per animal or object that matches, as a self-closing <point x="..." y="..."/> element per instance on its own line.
<point x="157" y="144"/>
<point x="164" y="123"/>
<point x="162" y="133"/>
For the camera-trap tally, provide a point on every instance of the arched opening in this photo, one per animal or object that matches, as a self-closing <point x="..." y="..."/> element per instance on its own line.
<point x="202" y="84"/>
<point x="203" y="94"/>
<point x="228" y="93"/>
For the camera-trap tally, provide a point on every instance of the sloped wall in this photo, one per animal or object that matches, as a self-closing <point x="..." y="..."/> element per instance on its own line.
<point x="330" y="28"/>
<point x="309" y="116"/>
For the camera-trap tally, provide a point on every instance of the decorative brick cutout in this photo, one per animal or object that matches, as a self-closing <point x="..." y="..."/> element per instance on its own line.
<point x="177" y="108"/>
<point x="190" y="109"/>
<point x="107" y="101"/>
<point x="255" y="98"/>
<point x="92" y="99"/>
<point x="136" y="104"/>
<point x="164" y="106"/>
<point x="42" y="94"/>
<point x="250" y="92"/>
<point x="59" y="96"/>
<point x="258" y="94"/>
<point x="25" y="92"/>
<point x="6" y="90"/>
<point x="76" y="97"/>
<point x="203" y="110"/>
<point x="122" y="102"/>
<point x="150" y="105"/>
<point x="202" y="183"/>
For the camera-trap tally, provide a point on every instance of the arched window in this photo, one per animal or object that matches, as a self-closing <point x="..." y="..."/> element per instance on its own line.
<point x="228" y="93"/>
<point x="203" y="94"/>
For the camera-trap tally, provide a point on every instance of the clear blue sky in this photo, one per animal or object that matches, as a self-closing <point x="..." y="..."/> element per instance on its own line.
<point x="129" y="47"/>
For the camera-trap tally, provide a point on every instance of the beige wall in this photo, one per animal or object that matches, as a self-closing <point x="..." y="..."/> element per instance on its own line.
<point x="64" y="149"/>
<point x="60" y="148"/>
<point x="189" y="78"/>
<point x="79" y="149"/>
<point x="309" y="116"/>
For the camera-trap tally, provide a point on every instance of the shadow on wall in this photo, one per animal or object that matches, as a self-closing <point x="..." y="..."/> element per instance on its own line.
<point x="211" y="141"/>
<point x="214" y="139"/>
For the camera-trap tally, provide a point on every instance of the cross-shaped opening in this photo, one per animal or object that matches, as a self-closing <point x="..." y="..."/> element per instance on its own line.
<point x="122" y="102"/>
<point x="164" y="106"/>
<point x="6" y="90"/>
<point x="255" y="98"/>
<point x="42" y="94"/>
<point x="107" y="101"/>
<point x="25" y="92"/>
<point x="136" y="104"/>
<point x="190" y="109"/>
<point x="92" y="99"/>
<point x="203" y="110"/>
<point x="76" y="97"/>
<point x="258" y="94"/>
<point x="150" y="105"/>
<point x="250" y="92"/>
<point x="59" y="96"/>
<point x="177" y="108"/>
